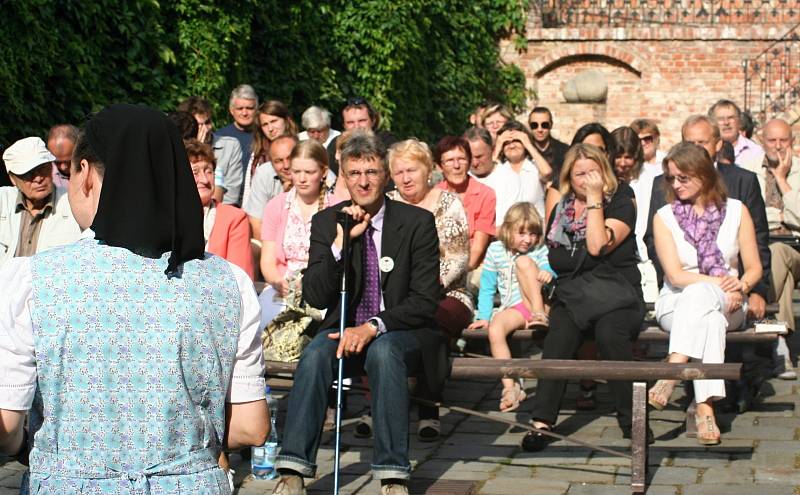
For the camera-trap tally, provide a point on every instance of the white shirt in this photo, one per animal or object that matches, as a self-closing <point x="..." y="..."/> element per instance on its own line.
<point x="727" y="241"/>
<point x="642" y="190"/>
<point x="332" y="133"/>
<point x="18" y="358"/>
<point x="654" y="166"/>
<point x="512" y="187"/>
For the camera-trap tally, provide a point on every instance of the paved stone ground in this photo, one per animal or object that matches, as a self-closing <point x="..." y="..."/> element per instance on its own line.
<point x="760" y="452"/>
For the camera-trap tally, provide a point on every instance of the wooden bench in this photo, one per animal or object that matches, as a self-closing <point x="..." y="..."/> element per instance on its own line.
<point x="649" y="334"/>
<point x="637" y="372"/>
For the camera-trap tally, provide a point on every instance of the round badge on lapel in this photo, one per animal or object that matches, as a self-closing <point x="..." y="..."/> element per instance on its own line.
<point x="386" y="264"/>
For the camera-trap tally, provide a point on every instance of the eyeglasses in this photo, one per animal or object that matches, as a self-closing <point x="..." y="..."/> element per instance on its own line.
<point x="452" y="161"/>
<point x="682" y="179"/>
<point x="535" y="125"/>
<point x="647" y="139"/>
<point x="372" y="174"/>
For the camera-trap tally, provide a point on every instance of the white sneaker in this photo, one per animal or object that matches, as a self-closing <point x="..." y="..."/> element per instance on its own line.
<point x="787" y="375"/>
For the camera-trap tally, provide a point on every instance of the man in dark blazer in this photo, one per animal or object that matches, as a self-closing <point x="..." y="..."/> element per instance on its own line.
<point x="742" y="185"/>
<point x="393" y="292"/>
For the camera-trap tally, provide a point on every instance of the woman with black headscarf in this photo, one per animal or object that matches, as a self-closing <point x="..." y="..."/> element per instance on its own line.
<point x="136" y="353"/>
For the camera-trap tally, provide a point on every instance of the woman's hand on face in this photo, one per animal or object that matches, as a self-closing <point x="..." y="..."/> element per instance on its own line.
<point x="544" y="276"/>
<point x="523" y="138"/>
<point x="478" y="324"/>
<point x="594" y="186"/>
<point x="730" y="283"/>
<point x="733" y="301"/>
<point x="501" y="141"/>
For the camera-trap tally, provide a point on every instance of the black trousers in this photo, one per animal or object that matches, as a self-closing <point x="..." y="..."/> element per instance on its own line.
<point x="613" y="333"/>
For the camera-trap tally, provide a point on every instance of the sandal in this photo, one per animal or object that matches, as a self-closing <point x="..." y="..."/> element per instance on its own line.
<point x="512" y="396"/>
<point x="707" y="430"/>
<point x="539" y="319"/>
<point x="364" y="427"/>
<point x="659" y="395"/>
<point x="428" y="430"/>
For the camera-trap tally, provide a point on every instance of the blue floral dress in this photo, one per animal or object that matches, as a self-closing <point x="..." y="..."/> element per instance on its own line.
<point x="132" y="372"/>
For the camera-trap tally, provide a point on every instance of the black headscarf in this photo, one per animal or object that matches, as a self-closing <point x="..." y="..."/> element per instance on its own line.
<point x="149" y="202"/>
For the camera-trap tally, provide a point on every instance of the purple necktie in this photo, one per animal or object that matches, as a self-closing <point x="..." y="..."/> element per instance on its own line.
<point x="370" y="303"/>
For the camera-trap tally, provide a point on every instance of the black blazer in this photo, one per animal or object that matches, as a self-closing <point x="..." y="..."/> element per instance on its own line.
<point x="742" y="185"/>
<point x="411" y="290"/>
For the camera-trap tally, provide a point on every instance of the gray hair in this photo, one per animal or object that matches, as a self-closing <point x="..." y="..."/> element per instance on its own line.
<point x="478" y="134"/>
<point x="364" y="145"/>
<point x="65" y="131"/>
<point x="729" y="104"/>
<point x="243" y="92"/>
<point x="698" y="118"/>
<point x="316" y="118"/>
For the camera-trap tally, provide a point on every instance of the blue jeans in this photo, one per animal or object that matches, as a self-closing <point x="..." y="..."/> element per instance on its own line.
<point x="388" y="361"/>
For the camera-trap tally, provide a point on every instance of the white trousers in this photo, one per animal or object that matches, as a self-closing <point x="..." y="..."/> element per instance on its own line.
<point x="697" y="321"/>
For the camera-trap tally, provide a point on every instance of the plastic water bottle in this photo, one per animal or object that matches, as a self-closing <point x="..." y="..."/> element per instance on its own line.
<point x="262" y="462"/>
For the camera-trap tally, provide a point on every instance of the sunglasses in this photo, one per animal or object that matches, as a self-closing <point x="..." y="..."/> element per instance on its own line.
<point x="351" y="102"/>
<point x="535" y="125"/>
<point x="647" y="139"/>
<point x="682" y="179"/>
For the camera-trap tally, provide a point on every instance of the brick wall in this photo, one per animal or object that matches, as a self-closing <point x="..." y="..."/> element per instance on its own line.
<point x="663" y="73"/>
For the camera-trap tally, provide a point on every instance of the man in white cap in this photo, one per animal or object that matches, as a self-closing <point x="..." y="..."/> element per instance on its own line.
<point x="34" y="215"/>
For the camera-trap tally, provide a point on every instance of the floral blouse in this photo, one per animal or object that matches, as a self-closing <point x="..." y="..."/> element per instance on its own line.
<point x="453" y="230"/>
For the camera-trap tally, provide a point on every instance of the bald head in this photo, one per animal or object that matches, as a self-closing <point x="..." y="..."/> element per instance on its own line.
<point x="778" y="139"/>
<point x="61" y="141"/>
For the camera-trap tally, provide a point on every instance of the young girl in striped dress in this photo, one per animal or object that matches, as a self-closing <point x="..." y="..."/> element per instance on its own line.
<point x="516" y="267"/>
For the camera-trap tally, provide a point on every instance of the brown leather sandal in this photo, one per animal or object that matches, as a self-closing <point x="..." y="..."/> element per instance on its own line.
<point x="512" y="396"/>
<point x="707" y="430"/>
<point x="659" y="395"/>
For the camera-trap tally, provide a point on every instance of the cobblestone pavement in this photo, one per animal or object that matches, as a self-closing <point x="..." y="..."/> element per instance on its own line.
<point x="760" y="451"/>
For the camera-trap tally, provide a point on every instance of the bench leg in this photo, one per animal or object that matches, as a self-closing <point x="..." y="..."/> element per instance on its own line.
<point x="639" y="438"/>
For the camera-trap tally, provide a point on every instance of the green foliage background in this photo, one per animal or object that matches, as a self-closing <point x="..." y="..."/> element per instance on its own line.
<point x="424" y="64"/>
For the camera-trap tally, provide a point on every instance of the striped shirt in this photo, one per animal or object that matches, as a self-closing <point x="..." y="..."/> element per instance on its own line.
<point x="498" y="275"/>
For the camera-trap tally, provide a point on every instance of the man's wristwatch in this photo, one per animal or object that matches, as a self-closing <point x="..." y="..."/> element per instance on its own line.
<point x="376" y="325"/>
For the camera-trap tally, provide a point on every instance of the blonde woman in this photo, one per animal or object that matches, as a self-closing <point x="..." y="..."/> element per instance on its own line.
<point x="411" y="167"/>
<point x="591" y="226"/>
<point x="286" y="227"/>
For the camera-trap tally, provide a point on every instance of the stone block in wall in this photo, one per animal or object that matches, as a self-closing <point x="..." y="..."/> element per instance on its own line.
<point x="589" y="86"/>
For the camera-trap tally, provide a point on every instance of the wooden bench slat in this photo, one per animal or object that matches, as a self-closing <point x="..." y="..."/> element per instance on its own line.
<point x="649" y="334"/>
<point x="571" y="369"/>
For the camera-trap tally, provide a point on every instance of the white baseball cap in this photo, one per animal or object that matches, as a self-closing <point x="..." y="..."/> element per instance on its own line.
<point x="25" y="155"/>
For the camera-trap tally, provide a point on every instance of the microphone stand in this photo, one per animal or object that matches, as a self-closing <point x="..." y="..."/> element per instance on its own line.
<point x="344" y="220"/>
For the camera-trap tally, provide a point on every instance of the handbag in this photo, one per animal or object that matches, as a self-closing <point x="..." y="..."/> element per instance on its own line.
<point x="591" y="294"/>
<point x="285" y="337"/>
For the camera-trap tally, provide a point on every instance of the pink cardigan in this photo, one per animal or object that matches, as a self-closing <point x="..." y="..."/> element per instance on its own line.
<point x="230" y="238"/>
<point x="273" y="225"/>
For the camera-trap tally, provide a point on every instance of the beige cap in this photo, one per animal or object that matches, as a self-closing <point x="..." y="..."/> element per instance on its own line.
<point x="25" y="155"/>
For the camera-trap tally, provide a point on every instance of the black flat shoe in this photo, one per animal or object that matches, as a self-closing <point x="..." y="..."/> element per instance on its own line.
<point x="534" y="441"/>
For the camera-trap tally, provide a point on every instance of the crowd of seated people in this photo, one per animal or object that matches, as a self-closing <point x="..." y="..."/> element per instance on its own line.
<point x="440" y="231"/>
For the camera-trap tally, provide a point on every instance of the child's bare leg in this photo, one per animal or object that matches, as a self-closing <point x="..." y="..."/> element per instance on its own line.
<point x="529" y="285"/>
<point x="500" y="327"/>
